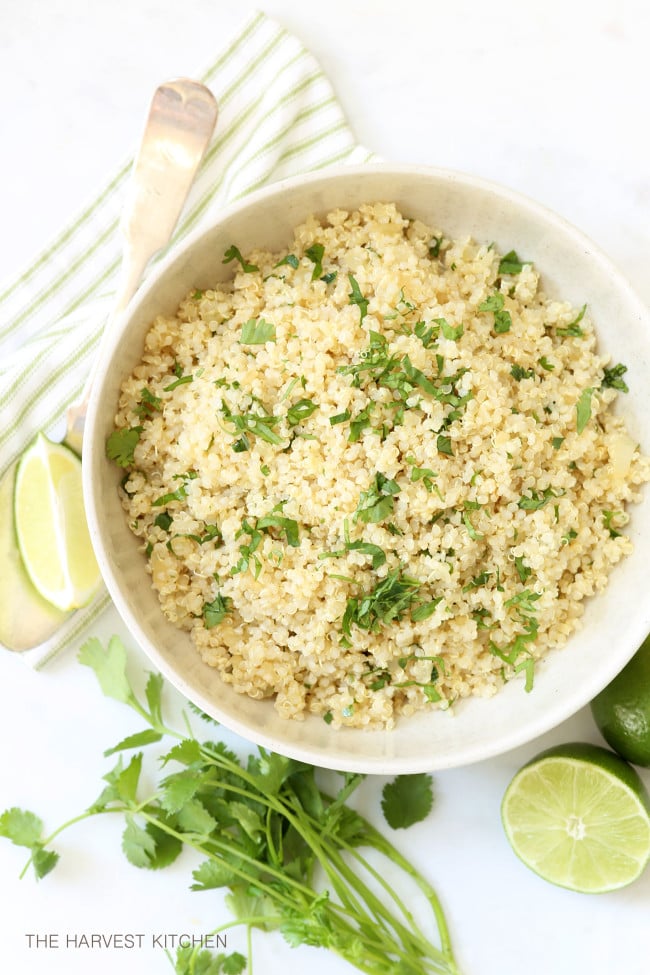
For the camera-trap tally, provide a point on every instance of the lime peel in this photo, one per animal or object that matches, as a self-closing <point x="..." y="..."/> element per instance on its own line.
<point x="622" y="710"/>
<point x="51" y="529"/>
<point x="579" y="816"/>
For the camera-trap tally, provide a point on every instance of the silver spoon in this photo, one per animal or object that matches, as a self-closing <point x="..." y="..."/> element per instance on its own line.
<point x="181" y="121"/>
<point x="180" y="124"/>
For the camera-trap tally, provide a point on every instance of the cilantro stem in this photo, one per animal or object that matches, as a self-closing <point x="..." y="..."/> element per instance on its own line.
<point x="225" y="847"/>
<point x="370" y="915"/>
<point x="413" y="937"/>
<point x="380" y="843"/>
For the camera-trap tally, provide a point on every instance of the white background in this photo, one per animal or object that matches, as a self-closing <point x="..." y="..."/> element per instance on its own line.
<point x="549" y="98"/>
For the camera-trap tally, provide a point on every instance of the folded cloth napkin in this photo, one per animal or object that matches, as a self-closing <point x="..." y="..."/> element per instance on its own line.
<point x="278" y="116"/>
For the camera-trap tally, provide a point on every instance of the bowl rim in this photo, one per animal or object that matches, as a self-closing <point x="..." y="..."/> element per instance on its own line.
<point x="543" y="721"/>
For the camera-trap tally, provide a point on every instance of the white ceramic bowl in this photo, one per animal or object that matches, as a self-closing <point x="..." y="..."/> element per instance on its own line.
<point x="573" y="269"/>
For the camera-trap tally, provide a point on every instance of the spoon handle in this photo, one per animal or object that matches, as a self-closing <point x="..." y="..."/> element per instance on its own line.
<point x="179" y="126"/>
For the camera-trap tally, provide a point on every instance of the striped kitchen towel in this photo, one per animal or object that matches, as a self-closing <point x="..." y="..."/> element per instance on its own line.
<point x="278" y="116"/>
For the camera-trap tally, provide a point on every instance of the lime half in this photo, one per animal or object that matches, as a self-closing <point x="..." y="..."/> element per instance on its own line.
<point x="51" y="527"/>
<point x="579" y="816"/>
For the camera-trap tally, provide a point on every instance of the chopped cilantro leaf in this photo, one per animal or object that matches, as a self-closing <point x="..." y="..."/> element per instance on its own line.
<point x="613" y="378"/>
<point x="121" y="444"/>
<point x="518" y="372"/>
<point x="241" y="445"/>
<point x="471" y="531"/>
<point x="216" y="611"/>
<point x="424" y="610"/>
<point x="356" y="298"/>
<point x="502" y="319"/>
<point x="290" y="259"/>
<point x="286" y="525"/>
<point x="523" y="571"/>
<point x="377" y="502"/>
<point x="367" y="548"/>
<point x="424" y="474"/>
<point x="234" y="254"/>
<point x="492" y="303"/>
<point x="444" y="446"/>
<point x="608" y="518"/>
<point x="502" y="322"/>
<point x="360" y="422"/>
<point x="163" y="520"/>
<point x="257" y="331"/>
<point x="449" y="331"/>
<point x="536" y="500"/>
<point x="180" y="380"/>
<point x="149" y="403"/>
<point x="260" y="424"/>
<point x="573" y="330"/>
<point x="386" y="603"/>
<point x="315" y="255"/>
<point x="427" y="334"/>
<point x="583" y="408"/>
<point x="180" y="494"/>
<point x="300" y="411"/>
<point x="247" y="551"/>
<point x="340" y="418"/>
<point x="510" y="264"/>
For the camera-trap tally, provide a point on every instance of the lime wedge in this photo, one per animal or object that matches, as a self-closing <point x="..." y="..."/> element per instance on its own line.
<point x="579" y="816"/>
<point x="51" y="527"/>
<point x="26" y="619"/>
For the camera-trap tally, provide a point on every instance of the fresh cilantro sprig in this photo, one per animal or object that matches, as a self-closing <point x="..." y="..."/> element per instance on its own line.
<point x="190" y="961"/>
<point x="24" y="828"/>
<point x="263" y="826"/>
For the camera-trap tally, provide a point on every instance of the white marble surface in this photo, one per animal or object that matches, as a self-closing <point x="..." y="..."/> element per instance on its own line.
<point x="550" y="98"/>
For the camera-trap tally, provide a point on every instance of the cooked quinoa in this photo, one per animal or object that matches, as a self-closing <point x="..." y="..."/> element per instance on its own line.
<point x="376" y="472"/>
